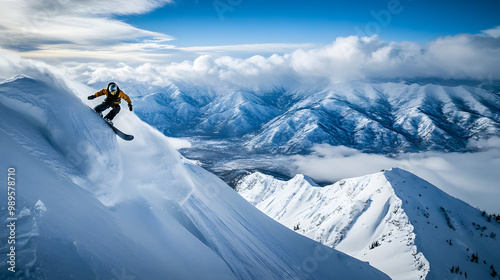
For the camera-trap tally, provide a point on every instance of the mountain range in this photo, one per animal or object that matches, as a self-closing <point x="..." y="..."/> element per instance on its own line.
<point x="382" y="118"/>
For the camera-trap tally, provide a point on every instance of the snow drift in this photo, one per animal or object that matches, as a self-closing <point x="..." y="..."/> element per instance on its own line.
<point x="90" y="206"/>
<point x="401" y="224"/>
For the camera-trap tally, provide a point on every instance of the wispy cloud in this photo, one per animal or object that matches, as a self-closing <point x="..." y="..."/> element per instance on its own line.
<point x="249" y="48"/>
<point x="130" y="52"/>
<point x="35" y="28"/>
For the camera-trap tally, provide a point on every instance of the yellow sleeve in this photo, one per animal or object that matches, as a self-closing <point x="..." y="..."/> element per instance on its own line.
<point x="125" y="97"/>
<point x="100" y="93"/>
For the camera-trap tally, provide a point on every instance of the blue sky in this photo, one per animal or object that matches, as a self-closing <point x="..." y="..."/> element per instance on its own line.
<point x="231" y="22"/>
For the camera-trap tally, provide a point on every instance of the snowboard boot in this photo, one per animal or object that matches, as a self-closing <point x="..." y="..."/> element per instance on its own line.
<point x="108" y="121"/>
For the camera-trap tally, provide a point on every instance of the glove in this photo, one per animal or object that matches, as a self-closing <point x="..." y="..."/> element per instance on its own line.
<point x="130" y="107"/>
<point x="91" y="97"/>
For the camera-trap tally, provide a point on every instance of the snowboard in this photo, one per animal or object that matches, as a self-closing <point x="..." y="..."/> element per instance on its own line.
<point x="120" y="134"/>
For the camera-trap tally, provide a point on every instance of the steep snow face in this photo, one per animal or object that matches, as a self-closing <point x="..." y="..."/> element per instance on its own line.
<point x="89" y="206"/>
<point x="380" y="118"/>
<point x="399" y="223"/>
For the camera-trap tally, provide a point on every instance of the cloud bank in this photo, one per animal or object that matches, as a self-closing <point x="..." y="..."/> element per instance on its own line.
<point x="472" y="177"/>
<point x="87" y="38"/>
<point x="462" y="57"/>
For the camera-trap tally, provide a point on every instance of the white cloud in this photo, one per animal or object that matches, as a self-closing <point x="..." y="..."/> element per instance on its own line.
<point x="472" y="177"/>
<point x="493" y="32"/>
<point x="464" y="56"/>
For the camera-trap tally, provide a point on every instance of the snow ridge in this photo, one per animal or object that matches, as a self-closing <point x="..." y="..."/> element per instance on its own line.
<point x="398" y="222"/>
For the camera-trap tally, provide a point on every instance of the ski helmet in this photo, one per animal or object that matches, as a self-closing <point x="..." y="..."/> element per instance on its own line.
<point x="113" y="88"/>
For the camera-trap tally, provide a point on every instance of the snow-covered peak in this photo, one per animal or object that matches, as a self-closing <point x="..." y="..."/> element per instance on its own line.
<point x="91" y="206"/>
<point x="401" y="224"/>
<point x="302" y="177"/>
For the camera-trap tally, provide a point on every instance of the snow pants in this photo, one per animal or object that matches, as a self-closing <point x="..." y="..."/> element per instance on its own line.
<point x="105" y="105"/>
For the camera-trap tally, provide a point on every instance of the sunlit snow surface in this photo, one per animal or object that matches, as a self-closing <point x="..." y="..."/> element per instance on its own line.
<point x="91" y="206"/>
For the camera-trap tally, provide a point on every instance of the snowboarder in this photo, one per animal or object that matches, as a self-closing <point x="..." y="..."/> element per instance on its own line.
<point x="113" y="99"/>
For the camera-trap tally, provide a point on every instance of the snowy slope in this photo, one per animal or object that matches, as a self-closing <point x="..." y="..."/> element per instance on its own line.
<point x="401" y="224"/>
<point x="91" y="206"/>
<point x="374" y="117"/>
